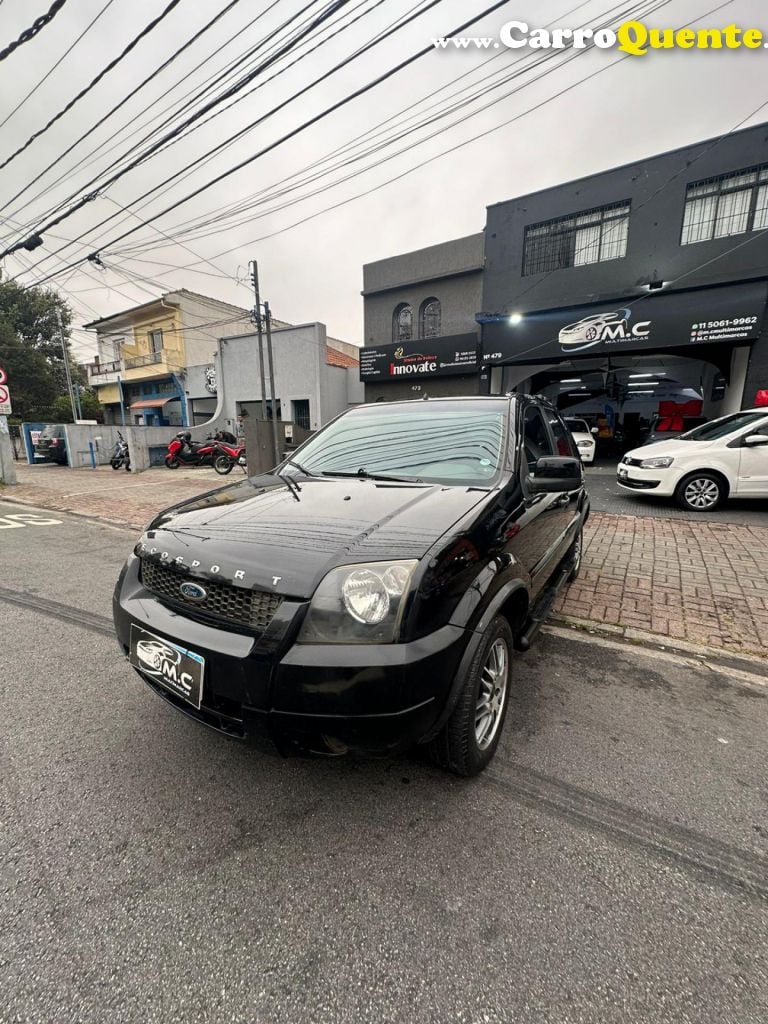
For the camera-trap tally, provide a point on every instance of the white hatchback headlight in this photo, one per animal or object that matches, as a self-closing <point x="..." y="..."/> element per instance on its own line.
<point x="660" y="463"/>
<point x="360" y="604"/>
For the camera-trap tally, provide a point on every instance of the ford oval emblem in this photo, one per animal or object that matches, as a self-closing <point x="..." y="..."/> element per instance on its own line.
<point x="193" y="592"/>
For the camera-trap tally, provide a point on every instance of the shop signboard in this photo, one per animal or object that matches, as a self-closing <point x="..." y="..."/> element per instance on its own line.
<point x="425" y="357"/>
<point x="732" y="314"/>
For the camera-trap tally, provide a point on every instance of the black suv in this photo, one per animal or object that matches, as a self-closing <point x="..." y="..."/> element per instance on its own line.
<point x="52" y="445"/>
<point x="367" y="594"/>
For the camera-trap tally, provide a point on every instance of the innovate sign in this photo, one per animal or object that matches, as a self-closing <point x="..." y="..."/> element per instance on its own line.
<point x="674" y="320"/>
<point x="428" y="357"/>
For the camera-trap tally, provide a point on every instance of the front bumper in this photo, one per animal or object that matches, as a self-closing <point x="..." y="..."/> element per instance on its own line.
<point x="368" y="698"/>
<point x="653" y="481"/>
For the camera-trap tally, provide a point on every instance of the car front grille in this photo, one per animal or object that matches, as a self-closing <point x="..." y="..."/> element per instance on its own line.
<point x="223" y="602"/>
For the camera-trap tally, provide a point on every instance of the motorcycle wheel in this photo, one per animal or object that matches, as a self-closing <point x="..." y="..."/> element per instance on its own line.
<point x="116" y="463"/>
<point x="127" y="466"/>
<point x="171" y="462"/>
<point x="223" y="464"/>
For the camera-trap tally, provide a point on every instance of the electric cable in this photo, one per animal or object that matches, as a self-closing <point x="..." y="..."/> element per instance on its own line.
<point x="37" y="26"/>
<point x="105" y="71"/>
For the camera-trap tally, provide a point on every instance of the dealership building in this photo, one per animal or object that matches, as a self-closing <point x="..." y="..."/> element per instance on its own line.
<point x="639" y="285"/>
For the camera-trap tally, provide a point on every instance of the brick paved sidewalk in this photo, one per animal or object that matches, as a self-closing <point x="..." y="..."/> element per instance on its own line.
<point x="704" y="583"/>
<point x="125" y="499"/>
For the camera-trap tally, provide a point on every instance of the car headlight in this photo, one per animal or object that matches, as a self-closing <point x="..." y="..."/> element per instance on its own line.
<point x="358" y="604"/>
<point x="585" y="444"/>
<point x="660" y="463"/>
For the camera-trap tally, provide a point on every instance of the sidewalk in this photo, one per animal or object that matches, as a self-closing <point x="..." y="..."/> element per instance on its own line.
<point x="699" y="582"/>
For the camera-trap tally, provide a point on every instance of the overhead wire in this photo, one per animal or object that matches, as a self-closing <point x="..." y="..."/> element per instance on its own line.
<point x="94" y="82"/>
<point x="313" y="120"/>
<point x="37" y="26"/>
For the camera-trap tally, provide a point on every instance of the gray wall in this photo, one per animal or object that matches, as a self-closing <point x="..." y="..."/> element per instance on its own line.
<point x="653" y="248"/>
<point x="450" y="272"/>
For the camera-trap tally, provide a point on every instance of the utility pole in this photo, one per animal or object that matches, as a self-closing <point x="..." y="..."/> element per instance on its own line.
<point x="66" y="365"/>
<point x="257" y="314"/>
<point x="268" y="321"/>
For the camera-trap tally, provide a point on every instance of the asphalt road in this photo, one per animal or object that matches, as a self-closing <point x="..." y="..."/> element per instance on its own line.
<point x="606" y="496"/>
<point x="611" y="866"/>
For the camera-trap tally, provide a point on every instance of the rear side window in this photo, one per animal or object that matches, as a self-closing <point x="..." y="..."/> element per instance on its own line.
<point x="566" y="446"/>
<point x="536" y="439"/>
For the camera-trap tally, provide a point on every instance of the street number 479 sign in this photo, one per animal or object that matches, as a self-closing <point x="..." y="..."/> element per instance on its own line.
<point x="5" y="394"/>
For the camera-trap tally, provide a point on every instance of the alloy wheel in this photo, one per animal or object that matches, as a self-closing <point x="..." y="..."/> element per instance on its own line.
<point x="492" y="695"/>
<point x="702" y="493"/>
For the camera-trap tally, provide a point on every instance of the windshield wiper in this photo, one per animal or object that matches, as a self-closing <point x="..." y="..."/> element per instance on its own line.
<point x="290" y="484"/>
<point x="363" y="474"/>
<point x="298" y="465"/>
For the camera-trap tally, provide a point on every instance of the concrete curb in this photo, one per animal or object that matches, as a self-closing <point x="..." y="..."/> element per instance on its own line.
<point x="750" y="660"/>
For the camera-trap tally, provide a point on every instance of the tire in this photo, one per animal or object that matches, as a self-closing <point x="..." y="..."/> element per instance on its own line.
<point x="128" y="466"/>
<point x="171" y="462"/>
<point x="700" y="492"/>
<point x="116" y="463"/>
<point x="463" y="747"/>
<point x="223" y="464"/>
<point x="574" y="555"/>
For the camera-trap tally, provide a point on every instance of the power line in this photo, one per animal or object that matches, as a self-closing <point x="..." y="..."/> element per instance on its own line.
<point x="311" y="121"/>
<point x="37" y="26"/>
<point x="32" y="242"/>
<point x="125" y="99"/>
<point x="83" y="92"/>
<point x="63" y="57"/>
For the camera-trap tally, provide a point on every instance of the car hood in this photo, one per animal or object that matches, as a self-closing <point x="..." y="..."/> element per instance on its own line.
<point x="672" y="447"/>
<point x="262" y="533"/>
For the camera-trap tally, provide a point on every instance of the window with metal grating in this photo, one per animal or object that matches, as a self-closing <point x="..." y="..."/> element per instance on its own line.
<point x="729" y="204"/>
<point x="589" y="237"/>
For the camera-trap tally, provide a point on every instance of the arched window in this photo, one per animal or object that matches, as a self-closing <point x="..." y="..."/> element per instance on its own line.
<point x="431" y="315"/>
<point x="402" y="322"/>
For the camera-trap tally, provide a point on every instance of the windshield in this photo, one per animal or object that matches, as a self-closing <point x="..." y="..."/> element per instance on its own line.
<point x="458" y="442"/>
<point x="719" y="428"/>
<point x="577" y="426"/>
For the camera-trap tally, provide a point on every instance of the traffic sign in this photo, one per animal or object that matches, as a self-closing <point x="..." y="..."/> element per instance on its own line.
<point x="3" y="376"/>
<point x="5" y="400"/>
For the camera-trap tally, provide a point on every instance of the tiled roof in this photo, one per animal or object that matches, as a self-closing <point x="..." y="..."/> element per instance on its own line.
<point x="335" y="358"/>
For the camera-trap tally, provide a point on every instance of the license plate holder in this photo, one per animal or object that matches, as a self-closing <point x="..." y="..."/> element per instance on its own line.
<point x="175" y="668"/>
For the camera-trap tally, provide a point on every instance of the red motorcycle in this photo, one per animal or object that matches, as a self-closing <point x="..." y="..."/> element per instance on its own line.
<point x="183" y="451"/>
<point x="228" y="455"/>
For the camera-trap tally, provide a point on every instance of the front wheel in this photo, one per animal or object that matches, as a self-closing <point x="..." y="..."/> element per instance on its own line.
<point x="116" y="463"/>
<point x="223" y="464"/>
<point x="171" y="462"/>
<point x="574" y="555"/>
<point x="472" y="733"/>
<point x="700" y="492"/>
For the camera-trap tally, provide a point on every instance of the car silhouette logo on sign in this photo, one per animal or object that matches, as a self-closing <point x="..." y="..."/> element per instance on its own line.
<point x="193" y="592"/>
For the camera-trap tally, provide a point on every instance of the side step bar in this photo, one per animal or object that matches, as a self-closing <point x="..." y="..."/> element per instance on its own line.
<point x="541" y="609"/>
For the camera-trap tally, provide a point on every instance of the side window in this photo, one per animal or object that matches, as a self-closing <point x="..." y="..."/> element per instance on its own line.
<point x="536" y="440"/>
<point x="564" y="442"/>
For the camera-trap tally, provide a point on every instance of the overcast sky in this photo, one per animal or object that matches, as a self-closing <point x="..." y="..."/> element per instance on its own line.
<point x="313" y="271"/>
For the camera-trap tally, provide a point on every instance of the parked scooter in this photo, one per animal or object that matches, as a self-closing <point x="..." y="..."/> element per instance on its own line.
<point x="120" y="457"/>
<point x="183" y="451"/>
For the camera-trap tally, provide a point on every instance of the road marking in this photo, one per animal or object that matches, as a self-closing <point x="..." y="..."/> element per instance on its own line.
<point x="20" y="519"/>
<point x="736" y="675"/>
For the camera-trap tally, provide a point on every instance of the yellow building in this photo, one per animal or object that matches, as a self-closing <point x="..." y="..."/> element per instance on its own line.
<point x="143" y="354"/>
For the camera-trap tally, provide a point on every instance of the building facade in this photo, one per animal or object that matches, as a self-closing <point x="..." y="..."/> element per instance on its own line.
<point x="315" y="378"/>
<point x="420" y="330"/>
<point x="643" y="283"/>
<point x="144" y="352"/>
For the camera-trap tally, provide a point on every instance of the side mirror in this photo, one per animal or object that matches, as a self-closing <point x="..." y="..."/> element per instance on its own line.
<point x="554" y="474"/>
<point x="755" y="440"/>
<point x="594" y="430"/>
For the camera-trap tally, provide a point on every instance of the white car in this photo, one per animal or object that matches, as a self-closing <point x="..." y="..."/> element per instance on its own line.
<point x="582" y="435"/>
<point x="725" y="457"/>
